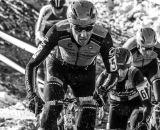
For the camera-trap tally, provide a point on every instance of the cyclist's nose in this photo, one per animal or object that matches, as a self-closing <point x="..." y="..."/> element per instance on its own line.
<point x="84" y="33"/>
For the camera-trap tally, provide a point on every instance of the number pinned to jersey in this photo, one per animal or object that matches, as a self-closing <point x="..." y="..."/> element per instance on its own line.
<point x="113" y="64"/>
<point x="111" y="52"/>
<point x="143" y="89"/>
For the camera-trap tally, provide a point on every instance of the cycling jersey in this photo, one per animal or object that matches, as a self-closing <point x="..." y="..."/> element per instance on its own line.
<point x="69" y="52"/>
<point x="125" y="90"/>
<point x="47" y="18"/>
<point x="138" y="59"/>
<point x="125" y="97"/>
<point x="148" y="65"/>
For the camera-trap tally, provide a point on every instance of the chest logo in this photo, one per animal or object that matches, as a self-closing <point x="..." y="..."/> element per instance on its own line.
<point x="90" y="47"/>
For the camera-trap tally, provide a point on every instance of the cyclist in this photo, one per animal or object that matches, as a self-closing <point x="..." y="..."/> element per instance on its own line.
<point x="49" y="15"/>
<point x="79" y="39"/>
<point x="146" y="52"/>
<point x="127" y="95"/>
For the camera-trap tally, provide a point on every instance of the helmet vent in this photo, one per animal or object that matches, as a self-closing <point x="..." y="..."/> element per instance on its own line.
<point x="57" y="3"/>
<point x="75" y="12"/>
<point x="143" y="39"/>
<point x="91" y="12"/>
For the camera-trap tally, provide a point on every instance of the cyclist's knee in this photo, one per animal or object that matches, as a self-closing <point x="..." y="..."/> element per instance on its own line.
<point x="50" y="112"/>
<point x="49" y="116"/>
<point x="87" y="115"/>
<point x="54" y="91"/>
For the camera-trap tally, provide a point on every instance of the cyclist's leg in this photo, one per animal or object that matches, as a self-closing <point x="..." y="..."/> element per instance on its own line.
<point x="118" y="116"/>
<point x="49" y="115"/>
<point x="87" y="117"/>
<point x="84" y="88"/>
<point x="53" y="90"/>
<point x="136" y="117"/>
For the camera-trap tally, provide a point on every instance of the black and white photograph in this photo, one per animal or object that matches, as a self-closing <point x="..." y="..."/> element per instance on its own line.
<point x="79" y="64"/>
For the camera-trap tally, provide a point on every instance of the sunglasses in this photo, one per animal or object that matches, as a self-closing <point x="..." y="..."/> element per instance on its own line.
<point x="80" y="29"/>
<point x="58" y="7"/>
<point x="147" y="48"/>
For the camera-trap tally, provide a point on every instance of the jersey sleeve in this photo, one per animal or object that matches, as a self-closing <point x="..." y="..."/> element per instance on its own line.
<point x="105" y="51"/>
<point x="142" y="85"/>
<point x="157" y="50"/>
<point x="40" y="19"/>
<point x="43" y="50"/>
<point x="106" y="80"/>
<point x="101" y="78"/>
<point x="138" y="77"/>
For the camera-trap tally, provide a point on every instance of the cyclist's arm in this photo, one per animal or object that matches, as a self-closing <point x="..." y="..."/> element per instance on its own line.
<point x="107" y="53"/>
<point x="44" y="49"/>
<point x="157" y="50"/>
<point x="38" y="33"/>
<point x="103" y="86"/>
<point x="105" y="50"/>
<point x="101" y="78"/>
<point x="142" y="87"/>
<point x="130" y="43"/>
<point x="105" y="80"/>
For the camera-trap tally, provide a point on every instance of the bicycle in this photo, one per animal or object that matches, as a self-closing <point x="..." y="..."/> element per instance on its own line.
<point x="66" y="121"/>
<point x="68" y="114"/>
<point x="71" y="112"/>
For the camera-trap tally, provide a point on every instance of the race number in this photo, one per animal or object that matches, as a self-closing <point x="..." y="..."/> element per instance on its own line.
<point x="142" y="89"/>
<point x="113" y="65"/>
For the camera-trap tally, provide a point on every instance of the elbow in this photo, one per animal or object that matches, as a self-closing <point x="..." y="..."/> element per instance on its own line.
<point x="29" y="68"/>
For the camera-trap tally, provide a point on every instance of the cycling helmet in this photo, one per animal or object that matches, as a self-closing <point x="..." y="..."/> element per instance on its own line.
<point x="124" y="58"/>
<point x="82" y="12"/>
<point x="58" y="4"/>
<point x="146" y="37"/>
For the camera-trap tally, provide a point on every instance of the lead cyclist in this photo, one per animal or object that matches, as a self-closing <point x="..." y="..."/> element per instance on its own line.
<point x="79" y="40"/>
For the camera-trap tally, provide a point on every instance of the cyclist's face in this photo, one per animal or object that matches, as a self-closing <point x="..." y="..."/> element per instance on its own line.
<point x="146" y="50"/>
<point x="122" y="73"/>
<point x="82" y="34"/>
